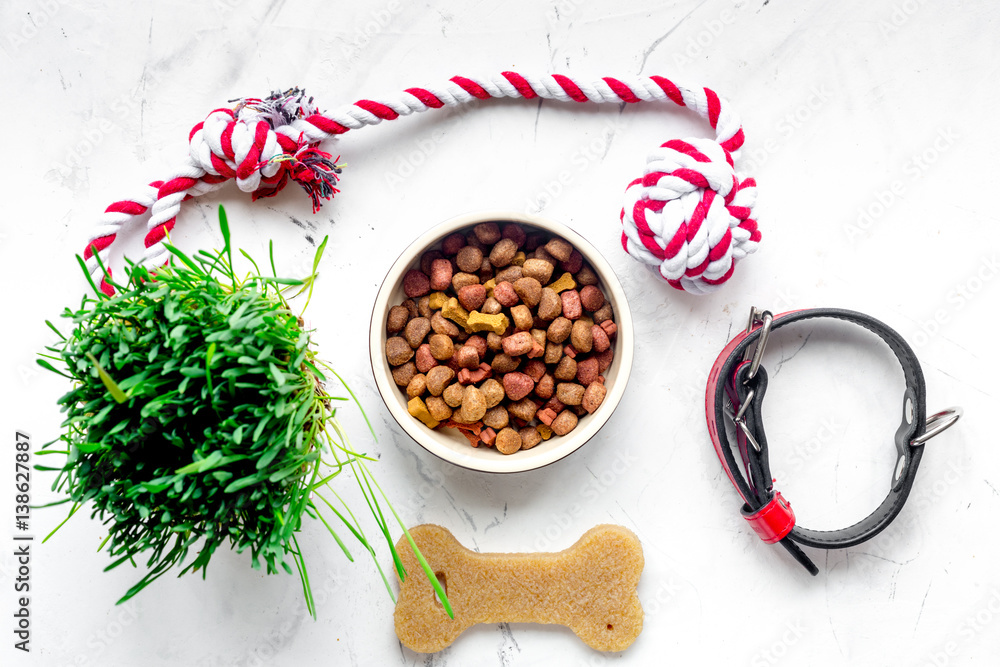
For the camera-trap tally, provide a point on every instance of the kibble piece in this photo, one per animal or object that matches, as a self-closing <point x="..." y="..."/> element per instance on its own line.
<point x="424" y="306"/>
<point x="530" y="291"/>
<point x="508" y="441"/>
<point x="493" y="391"/>
<point x="453" y="394"/>
<point x="534" y="369"/>
<point x="398" y="317"/>
<point x="515" y="233"/>
<point x="592" y="298"/>
<point x="605" y="358"/>
<point x="549" y="304"/>
<point x="491" y="306"/>
<point x="559" y="330"/>
<point x="545" y="387"/>
<point x="438" y="379"/>
<point x="519" y="258"/>
<point x="546" y="415"/>
<point x="603" y="314"/>
<point x="473" y="404"/>
<point x="571" y="306"/>
<point x="462" y="279"/>
<point x="574" y="263"/>
<point x="472" y="296"/>
<point x="517" y="385"/>
<point x="559" y="248"/>
<point x="570" y="393"/>
<point x="509" y="275"/>
<point x="437" y="408"/>
<point x="594" y="396"/>
<point x="402" y="375"/>
<point x="586" y="276"/>
<point x="488" y="436"/>
<point x="529" y="437"/>
<point x="522" y="317"/>
<point x="555" y="405"/>
<point x="488" y="233"/>
<point x="427" y="260"/>
<point x="518" y="343"/>
<point x="505" y="294"/>
<point x="538" y="269"/>
<point x="504" y="363"/>
<point x="397" y="351"/>
<point x="564" y="423"/>
<point x="472" y="240"/>
<point x="411" y="307"/>
<point x="442" y="347"/>
<point x="545" y="431"/>
<point x="553" y="353"/>
<point x="581" y="337"/>
<point x="494" y="341"/>
<point x="566" y="370"/>
<point x="416" y="330"/>
<point x="587" y="371"/>
<point x="469" y="259"/>
<point x="477" y="343"/>
<point x="441" y="273"/>
<point x="609" y="327"/>
<point x="600" y="338"/>
<point x="417" y="385"/>
<point x="441" y="325"/>
<point x="496" y="417"/>
<point x="524" y="409"/>
<point x="477" y="321"/>
<point x="418" y="409"/>
<point x="454" y="312"/>
<point x="564" y="283"/>
<point x="416" y="283"/>
<point x="452" y="244"/>
<point x="467" y="357"/>
<point x="503" y="252"/>
<point x="425" y="360"/>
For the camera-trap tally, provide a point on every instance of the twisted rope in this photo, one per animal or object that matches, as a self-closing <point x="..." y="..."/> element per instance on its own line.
<point x="687" y="216"/>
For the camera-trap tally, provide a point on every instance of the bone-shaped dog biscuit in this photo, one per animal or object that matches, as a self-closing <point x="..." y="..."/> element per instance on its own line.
<point x="590" y="588"/>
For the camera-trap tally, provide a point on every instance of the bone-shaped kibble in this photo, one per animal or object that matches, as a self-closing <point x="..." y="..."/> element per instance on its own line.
<point x="590" y="588"/>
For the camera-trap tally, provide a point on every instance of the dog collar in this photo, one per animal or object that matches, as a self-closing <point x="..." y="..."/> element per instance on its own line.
<point x="735" y="392"/>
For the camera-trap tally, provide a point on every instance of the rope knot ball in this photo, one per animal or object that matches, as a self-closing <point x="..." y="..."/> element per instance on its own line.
<point x="258" y="145"/>
<point x="688" y="216"/>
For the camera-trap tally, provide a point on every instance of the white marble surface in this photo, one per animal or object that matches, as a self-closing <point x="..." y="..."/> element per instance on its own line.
<point x="848" y="107"/>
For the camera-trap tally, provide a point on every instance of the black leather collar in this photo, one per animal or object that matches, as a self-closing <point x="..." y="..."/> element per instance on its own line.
<point x="736" y="377"/>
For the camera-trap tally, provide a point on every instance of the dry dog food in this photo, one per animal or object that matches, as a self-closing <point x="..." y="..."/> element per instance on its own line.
<point x="505" y="333"/>
<point x="589" y="588"/>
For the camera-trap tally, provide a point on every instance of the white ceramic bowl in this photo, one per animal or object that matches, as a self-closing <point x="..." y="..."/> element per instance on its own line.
<point x="448" y="443"/>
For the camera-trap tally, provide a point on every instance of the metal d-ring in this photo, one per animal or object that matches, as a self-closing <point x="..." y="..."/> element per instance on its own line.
<point x="938" y="423"/>
<point x="765" y="318"/>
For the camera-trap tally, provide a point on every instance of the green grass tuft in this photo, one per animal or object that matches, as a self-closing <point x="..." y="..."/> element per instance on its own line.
<point x="199" y="417"/>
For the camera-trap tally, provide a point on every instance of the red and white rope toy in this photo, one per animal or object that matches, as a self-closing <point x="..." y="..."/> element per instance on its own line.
<point x="688" y="216"/>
